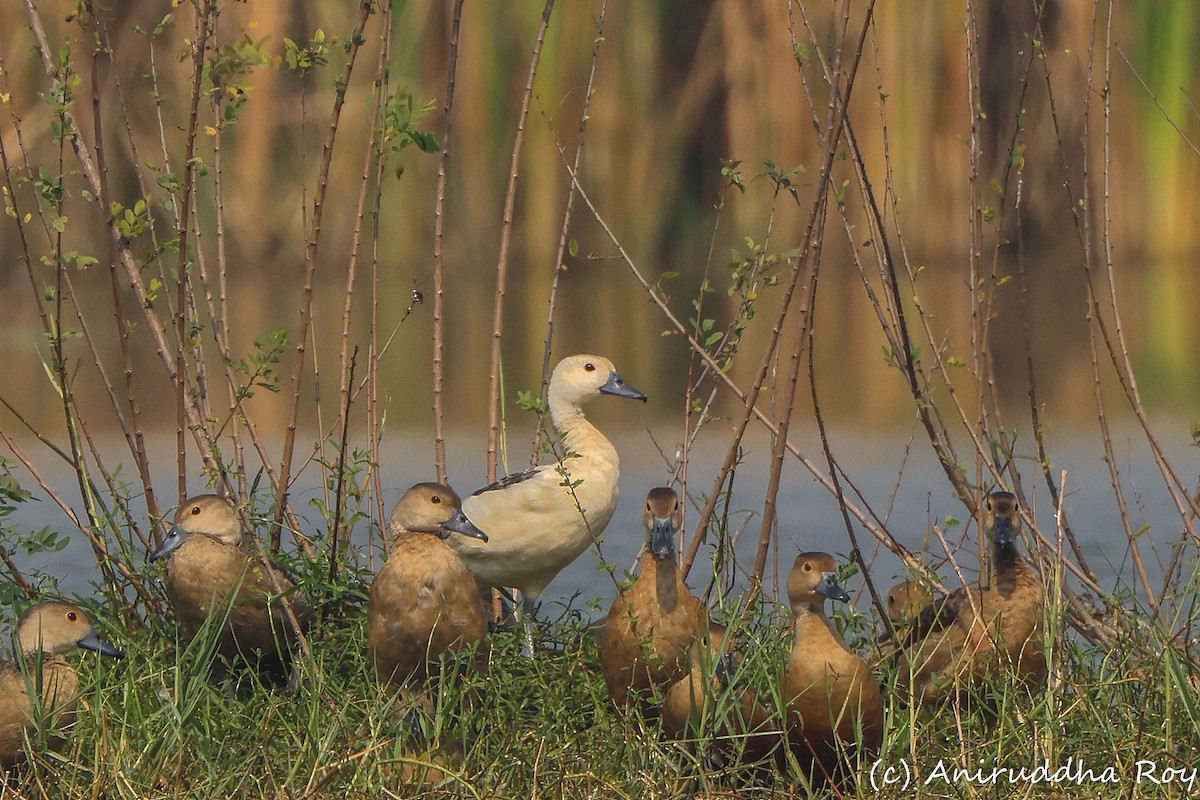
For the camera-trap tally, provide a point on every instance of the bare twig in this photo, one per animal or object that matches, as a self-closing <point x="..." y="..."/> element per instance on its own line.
<point x="510" y="199"/>
<point x="310" y="269"/>
<point x="439" y="213"/>
<point x="561" y="254"/>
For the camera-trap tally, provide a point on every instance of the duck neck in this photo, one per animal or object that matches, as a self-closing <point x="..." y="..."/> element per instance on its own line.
<point x="1006" y="562"/>
<point x="570" y="422"/>
<point x="665" y="574"/>
<point x="31" y="651"/>
<point x="810" y="620"/>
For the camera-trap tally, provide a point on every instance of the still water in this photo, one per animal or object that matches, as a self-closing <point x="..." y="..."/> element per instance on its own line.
<point x="911" y="493"/>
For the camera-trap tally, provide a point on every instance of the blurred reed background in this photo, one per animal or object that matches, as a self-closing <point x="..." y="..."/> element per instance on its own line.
<point x="1003" y="245"/>
<point x="680" y="87"/>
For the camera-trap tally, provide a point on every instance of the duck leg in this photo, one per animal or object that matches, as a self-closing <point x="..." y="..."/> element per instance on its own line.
<point x="528" y="613"/>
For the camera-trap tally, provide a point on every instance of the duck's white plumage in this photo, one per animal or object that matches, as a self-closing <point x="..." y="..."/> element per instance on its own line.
<point x="533" y="520"/>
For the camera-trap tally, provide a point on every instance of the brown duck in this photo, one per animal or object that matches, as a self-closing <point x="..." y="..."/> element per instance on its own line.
<point x="214" y="569"/>
<point x="905" y="602"/>
<point x="711" y="700"/>
<point x="424" y="603"/>
<point x="41" y="685"/>
<point x="960" y="642"/>
<point x="834" y="710"/>
<point x="647" y="640"/>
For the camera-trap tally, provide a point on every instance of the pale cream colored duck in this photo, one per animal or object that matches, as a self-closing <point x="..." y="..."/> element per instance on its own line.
<point x="541" y="520"/>
<point x="961" y="642"/>
<point x="834" y="709"/>
<point x="214" y="568"/>
<point x="41" y="685"/>
<point x="652" y="625"/>
<point x="424" y="603"/>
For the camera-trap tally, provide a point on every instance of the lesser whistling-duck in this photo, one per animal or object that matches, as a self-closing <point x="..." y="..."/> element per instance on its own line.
<point x="906" y="600"/>
<point x="834" y="709"/>
<point x="40" y="685"/>
<point x="713" y="701"/>
<point x="424" y="603"/>
<point x="652" y="625"/>
<point x="214" y="569"/>
<point x="541" y="520"/>
<point x="960" y="642"/>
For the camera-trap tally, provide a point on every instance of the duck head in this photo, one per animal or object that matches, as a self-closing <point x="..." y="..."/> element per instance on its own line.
<point x="905" y="601"/>
<point x="432" y="508"/>
<point x="56" y="627"/>
<point x="662" y="520"/>
<point x="812" y="580"/>
<point x="578" y="379"/>
<point x="1000" y="516"/>
<point x="209" y="514"/>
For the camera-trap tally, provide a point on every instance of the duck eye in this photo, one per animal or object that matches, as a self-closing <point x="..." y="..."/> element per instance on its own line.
<point x="195" y="510"/>
<point x="435" y="499"/>
<point x="807" y="567"/>
<point x="72" y="616"/>
<point x="590" y="367"/>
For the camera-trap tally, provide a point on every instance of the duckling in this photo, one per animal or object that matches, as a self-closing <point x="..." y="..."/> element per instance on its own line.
<point x="959" y="642"/>
<point x="424" y="603"/>
<point x="712" y="699"/>
<point x="652" y="625"/>
<point x="214" y="568"/>
<point x="906" y="600"/>
<point x="541" y="520"/>
<point x="45" y="631"/>
<point x="834" y="709"/>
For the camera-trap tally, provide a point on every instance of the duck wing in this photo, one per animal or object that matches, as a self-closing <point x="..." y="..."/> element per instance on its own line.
<point x="509" y="480"/>
<point x="937" y="616"/>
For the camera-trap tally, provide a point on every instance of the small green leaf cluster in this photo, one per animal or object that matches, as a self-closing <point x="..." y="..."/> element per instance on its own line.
<point x="303" y="58"/>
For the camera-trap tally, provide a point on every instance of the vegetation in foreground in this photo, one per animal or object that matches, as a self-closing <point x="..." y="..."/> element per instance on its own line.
<point x="155" y="726"/>
<point x="122" y="284"/>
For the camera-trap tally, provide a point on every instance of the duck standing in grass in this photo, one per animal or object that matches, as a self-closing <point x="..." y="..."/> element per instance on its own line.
<point x="714" y="700"/>
<point x="962" y="641"/>
<point x="214" y="569"/>
<point x="424" y="603"/>
<point x="653" y="625"/>
<point x="906" y="601"/>
<point x="541" y="520"/>
<point x="44" y="633"/>
<point x="834" y="710"/>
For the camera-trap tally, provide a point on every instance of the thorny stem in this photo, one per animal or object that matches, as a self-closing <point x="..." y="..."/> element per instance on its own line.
<point x="374" y="429"/>
<point x="806" y="264"/>
<point x="134" y="439"/>
<point x="310" y="269"/>
<point x="506" y="222"/>
<point x="205" y="22"/>
<point x="863" y="519"/>
<point x="154" y="324"/>
<point x="561" y="254"/>
<point x="439" y="213"/>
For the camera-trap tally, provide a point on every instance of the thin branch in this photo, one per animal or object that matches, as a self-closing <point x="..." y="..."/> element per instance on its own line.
<point x="506" y="222"/>
<point x="310" y="269"/>
<point x="439" y="212"/>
